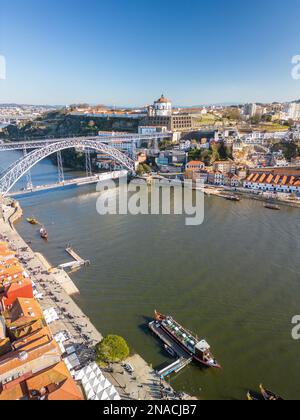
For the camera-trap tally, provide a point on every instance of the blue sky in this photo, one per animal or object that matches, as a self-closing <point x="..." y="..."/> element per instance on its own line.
<point x="127" y="52"/>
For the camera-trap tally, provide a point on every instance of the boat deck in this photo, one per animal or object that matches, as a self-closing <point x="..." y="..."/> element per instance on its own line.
<point x="168" y="341"/>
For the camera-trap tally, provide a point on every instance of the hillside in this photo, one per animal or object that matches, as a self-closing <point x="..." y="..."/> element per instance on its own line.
<point x="63" y="124"/>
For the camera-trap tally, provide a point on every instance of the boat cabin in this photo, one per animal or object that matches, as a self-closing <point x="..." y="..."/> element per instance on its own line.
<point x="202" y="350"/>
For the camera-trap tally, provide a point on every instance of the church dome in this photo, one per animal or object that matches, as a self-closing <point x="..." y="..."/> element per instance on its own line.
<point x="163" y="100"/>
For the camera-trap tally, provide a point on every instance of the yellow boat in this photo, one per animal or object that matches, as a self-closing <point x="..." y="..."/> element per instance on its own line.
<point x="32" y="221"/>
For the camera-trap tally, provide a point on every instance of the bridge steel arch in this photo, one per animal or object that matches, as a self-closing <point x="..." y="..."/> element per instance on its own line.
<point x="16" y="171"/>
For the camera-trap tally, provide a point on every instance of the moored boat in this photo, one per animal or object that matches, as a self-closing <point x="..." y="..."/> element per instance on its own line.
<point x="170" y="350"/>
<point x="44" y="234"/>
<point x="233" y="198"/>
<point x="199" y="350"/>
<point x="271" y="206"/>
<point x="253" y="397"/>
<point x="269" y="395"/>
<point x="32" y="221"/>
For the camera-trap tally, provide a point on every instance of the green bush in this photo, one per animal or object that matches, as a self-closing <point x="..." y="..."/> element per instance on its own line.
<point x="112" y="349"/>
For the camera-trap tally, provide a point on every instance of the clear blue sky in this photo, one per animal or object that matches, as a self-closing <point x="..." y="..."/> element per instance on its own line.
<point x="127" y="52"/>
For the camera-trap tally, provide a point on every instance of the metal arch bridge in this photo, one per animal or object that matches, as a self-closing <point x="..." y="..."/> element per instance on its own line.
<point x="19" y="168"/>
<point x="41" y="143"/>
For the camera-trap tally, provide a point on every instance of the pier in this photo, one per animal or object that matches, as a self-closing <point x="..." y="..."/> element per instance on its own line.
<point x="78" y="261"/>
<point x="184" y="357"/>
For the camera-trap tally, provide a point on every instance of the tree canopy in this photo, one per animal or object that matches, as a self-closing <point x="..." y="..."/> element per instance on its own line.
<point x="112" y="349"/>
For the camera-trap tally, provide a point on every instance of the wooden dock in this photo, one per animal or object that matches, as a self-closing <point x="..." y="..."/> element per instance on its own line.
<point x="184" y="357"/>
<point x="78" y="261"/>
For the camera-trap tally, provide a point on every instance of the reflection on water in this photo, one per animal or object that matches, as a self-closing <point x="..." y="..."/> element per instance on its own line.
<point x="235" y="281"/>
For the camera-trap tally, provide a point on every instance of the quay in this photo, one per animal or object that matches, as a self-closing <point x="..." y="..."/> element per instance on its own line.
<point x="53" y="290"/>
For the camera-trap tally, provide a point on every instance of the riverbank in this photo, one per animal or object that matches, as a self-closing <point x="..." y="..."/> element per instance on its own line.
<point x="54" y="289"/>
<point x="224" y="192"/>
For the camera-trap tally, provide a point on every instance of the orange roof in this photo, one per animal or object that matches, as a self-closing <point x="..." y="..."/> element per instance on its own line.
<point x="162" y="100"/>
<point x="256" y="177"/>
<point x="292" y="179"/>
<point x="12" y="394"/>
<point x="9" y="262"/>
<point x="24" y="311"/>
<point x="277" y="179"/>
<point x="31" y="339"/>
<point x="57" y="374"/>
<point x="195" y="163"/>
<point x="37" y="353"/>
<point x="269" y="179"/>
<point x="11" y="271"/>
<point x="262" y="178"/>
<point x="284" y="179"/>
<point x="69" y="391"/>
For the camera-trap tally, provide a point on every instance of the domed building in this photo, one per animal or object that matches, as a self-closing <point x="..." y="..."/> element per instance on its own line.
<point x="160" y="115"/>
<point x="163" y="107"/>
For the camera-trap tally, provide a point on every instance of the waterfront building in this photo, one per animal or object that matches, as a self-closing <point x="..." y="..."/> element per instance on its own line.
<point x="263" y="181"/>
<point x="232" y="180"/>
<point x="216" y="178"/>
<point x="31" y="365"/>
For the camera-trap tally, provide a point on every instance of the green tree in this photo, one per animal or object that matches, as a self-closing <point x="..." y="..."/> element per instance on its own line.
<point x="112" y="349"/>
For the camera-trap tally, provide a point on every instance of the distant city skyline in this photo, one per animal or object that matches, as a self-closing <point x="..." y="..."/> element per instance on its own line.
<point x="126" y="53"/>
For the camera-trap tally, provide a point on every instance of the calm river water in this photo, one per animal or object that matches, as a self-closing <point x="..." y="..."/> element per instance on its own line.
<point x="235" y="281"/>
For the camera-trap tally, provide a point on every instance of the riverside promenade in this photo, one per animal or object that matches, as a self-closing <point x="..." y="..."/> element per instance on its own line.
<point x="54" y="289"/>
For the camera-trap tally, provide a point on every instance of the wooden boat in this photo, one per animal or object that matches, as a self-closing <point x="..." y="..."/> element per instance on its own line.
<point x="44" y="234"/>
<point x="199" y="350"/>
<point x="269" y="395"/>
<point x="32" y="221"/>
<point x="271" y="206"/>
<point x="251" y="396"/>
<point x="232" y="198"/>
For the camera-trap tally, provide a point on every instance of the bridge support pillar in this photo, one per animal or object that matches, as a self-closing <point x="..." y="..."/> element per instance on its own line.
<point x="61" y="175"/>
<point x="88" y="163"/>
<point x="29" y="184"/>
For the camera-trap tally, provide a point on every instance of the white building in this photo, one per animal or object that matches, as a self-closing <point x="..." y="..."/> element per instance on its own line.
<point x="273" y="183"/>
<point x="161" y="108"/>
<point x="151" y="129"/>
<point x="292" y="111"/>
<point x="250" y="110"/>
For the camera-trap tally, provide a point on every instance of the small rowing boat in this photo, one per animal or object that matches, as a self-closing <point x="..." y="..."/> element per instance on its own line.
<point x="44" y="234"/>
<point x="269" y="395"/>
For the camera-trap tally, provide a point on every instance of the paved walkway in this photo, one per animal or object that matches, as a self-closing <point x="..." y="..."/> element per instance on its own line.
<point x="143" y="384"/>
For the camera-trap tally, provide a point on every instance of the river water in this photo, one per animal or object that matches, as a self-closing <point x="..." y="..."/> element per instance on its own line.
<point x="235" y="280"/>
